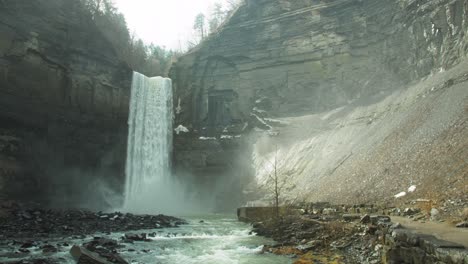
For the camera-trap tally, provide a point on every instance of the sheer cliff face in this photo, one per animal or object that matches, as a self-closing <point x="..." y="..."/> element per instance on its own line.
<point x="63" y="100"/>
<point x="308" y="56"/>
<point x="282" y="59"/>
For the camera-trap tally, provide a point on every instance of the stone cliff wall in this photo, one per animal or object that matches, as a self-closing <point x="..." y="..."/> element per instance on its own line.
<point x="369" y="151"/>
<point x="308" y="56"/>
<point x="281" y="59"/>
<point x="63" y="102"/>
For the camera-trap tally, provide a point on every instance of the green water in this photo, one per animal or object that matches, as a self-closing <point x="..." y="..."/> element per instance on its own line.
<point x="219" y="239"/>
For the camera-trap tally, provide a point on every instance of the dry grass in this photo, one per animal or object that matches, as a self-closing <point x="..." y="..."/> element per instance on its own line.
<point x="310" y="258"/>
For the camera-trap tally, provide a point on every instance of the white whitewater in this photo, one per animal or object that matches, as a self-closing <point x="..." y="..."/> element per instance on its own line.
<point x="149" y="145"/>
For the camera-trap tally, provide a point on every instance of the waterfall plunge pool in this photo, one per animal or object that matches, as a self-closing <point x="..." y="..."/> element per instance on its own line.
<point x="210" y="239"/>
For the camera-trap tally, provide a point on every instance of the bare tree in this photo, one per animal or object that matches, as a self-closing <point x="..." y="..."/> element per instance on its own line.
<point x="277" y="181"/>
<point x="217" y="17"/>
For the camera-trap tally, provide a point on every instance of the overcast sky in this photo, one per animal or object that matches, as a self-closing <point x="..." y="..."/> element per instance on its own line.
<point x="163" y="22"/>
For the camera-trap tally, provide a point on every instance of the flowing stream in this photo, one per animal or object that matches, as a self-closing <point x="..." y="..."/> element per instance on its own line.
<point x="207" y="239"/>
<point x="211" y="239"/>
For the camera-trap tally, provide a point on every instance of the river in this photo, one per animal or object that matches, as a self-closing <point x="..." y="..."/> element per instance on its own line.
<point x="208" y="239"/>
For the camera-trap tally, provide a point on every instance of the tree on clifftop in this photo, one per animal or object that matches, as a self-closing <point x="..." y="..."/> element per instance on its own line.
<point x="199" y="25"/>
<point x="217" y="17"/>
<point x="151" y="60"/>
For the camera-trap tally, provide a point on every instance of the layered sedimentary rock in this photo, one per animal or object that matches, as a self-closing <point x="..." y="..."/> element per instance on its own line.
<point x="316" y="55"/>
<point x="411" y="142"/>
<point x="283" y="59"/>
<point x="63" y="102"/>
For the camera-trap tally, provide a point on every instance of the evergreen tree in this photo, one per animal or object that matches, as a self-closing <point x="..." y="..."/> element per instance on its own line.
<point x="150" y="60"/>
<point x="217" y="17"/>
<point x="199" y="25"/>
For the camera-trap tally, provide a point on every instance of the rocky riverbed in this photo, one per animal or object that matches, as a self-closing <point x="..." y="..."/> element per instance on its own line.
<point x="34" y="233"/>
<point x="311" y="238"/>
<point x="28" y="222"/>
<point x="325" y="235"/>
<point x="44" y="236"/>
<point x="329" y="236"/>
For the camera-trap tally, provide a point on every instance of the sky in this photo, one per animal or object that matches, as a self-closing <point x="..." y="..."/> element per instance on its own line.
<point x="166" y="23"/>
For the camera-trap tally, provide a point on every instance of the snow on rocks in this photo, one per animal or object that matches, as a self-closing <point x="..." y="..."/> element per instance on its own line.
<point x="399" y="195"/>
<point x="180" y="129"/>
<point x="411" y="189"/>
<point x="207" y="138"/>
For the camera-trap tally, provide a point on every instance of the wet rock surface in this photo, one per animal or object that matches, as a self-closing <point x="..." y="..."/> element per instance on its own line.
<point x="27" y="233"/>
<point x="64" y="96"/>
<point x="42" y="223"/>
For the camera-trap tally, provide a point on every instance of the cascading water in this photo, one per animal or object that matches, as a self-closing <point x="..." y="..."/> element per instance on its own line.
<point x="150" y="187"/>
<point x="149" y="144"/>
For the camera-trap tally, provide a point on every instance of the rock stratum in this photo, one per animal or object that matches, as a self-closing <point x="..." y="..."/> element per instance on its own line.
<point x="360" y="99"/>
<point x="64" y="98"/>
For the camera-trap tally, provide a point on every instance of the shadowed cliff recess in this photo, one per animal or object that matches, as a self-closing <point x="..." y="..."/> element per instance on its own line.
<point x="64" y="98"/>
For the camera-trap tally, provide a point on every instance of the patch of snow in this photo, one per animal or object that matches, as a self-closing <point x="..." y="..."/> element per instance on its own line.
<point x="207" y="138"/>
<point x="181" y="128"/>
<point x="412" y="188"/>
<point x="400" y="195"/>
<point x="276" y="121"/>
<point x="332" y="112"/>
<point x="262" y="121"/>
<point x="226" y="137"/>
<point x="422" y="200"/>
<point x="259" y="110"/>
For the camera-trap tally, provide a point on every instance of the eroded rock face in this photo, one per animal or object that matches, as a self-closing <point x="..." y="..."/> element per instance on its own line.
<point x="63" y="102"/>
<point x="283" y="59"/>
<point x="310" y="56"/>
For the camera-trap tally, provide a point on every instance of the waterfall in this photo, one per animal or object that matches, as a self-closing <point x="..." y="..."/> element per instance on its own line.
<point x="149" y="144"/>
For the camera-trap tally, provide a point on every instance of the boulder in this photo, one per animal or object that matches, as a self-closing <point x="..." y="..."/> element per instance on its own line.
<point x="365" y="219"/>
<point x="377" y="219"/>
<point x="84" y="256"/>
<point x="435" y="214"/>
<point x="464" y="214"/>
<point x="136" y="237"/>
<point x="351" y="217"/>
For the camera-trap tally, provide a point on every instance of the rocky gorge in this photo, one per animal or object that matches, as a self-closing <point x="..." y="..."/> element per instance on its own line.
<point x="286" y="74"/>
<point x="357" y="100"/>
<point x="345" y="102"/>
